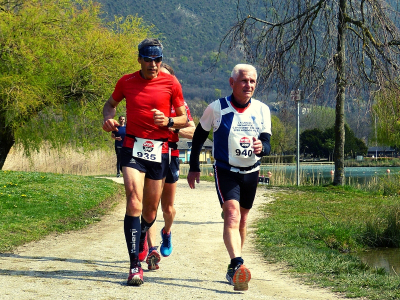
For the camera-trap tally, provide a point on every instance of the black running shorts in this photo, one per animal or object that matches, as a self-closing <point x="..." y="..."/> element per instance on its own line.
<point x="153" y="170"/>
<point x="173" y="170"/>
<point x="236" y="186"/>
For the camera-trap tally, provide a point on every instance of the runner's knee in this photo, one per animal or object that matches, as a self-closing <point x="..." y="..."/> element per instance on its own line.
<point x="168" y="209"/>
<point x="133" y="208"/>
<point x="232" y="218"/>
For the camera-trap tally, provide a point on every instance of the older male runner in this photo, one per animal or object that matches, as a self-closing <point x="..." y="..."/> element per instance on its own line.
<point x="242" y="130"/>
<point x="149" y="95"/>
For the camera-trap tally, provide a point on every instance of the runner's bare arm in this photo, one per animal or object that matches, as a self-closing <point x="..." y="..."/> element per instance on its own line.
<point x="188" y="131"/>
<point x="109" y="110"/>
<point x="180" y="120"/>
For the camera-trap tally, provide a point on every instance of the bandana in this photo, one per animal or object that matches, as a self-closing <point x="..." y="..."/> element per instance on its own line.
<point x="151" y="51"/>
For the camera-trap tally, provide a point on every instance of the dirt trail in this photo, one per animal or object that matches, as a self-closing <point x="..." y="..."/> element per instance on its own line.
<point x="93" y="263"/>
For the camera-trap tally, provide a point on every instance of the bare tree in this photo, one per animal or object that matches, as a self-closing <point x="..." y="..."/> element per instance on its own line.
<point x="349" y="46"/>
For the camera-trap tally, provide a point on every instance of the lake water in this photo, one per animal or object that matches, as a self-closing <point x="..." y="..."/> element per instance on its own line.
<point x="360" y="175"/>
<point x="314" y="173"/>
<point x="386" y="258"/>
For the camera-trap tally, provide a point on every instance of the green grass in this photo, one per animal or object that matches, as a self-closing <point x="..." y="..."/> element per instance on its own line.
<point x="33" y="205"/>
<point x="316" y="231"/>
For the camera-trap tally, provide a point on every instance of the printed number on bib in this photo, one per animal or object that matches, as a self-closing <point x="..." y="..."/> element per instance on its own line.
<point x="147" y="149"/>
<point x="146" y="156"/>
<point x="245" y="153"/>
<point x="243" y="147"/>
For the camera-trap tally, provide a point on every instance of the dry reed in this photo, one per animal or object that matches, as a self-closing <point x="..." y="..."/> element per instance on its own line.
<point x="278" y="176"/>
<point x="65" y="161"/>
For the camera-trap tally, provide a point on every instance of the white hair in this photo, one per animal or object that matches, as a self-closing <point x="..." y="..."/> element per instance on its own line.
<point x="242" y="67"/>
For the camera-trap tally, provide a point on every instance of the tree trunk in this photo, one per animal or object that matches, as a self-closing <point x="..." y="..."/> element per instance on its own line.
<point x="340" y="96"/>
<point x="6" y="142"/>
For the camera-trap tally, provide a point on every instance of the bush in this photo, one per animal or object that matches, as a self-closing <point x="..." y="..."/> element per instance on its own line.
<point x="384" y="229"/>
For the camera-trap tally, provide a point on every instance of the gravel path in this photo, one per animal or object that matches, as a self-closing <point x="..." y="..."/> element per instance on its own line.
<point x="93" y="263"/>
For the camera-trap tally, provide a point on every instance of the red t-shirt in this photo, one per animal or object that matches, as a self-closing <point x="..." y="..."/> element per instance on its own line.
<point x="174" y="136"/>
<point x="142" y="95"/>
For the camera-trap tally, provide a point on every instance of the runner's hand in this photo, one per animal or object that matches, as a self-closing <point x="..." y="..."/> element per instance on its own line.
<point x="159" y="118"/>
<point x="192" y="177"/>
<point x="110" y="125"/>
<point x="257" y="146"/>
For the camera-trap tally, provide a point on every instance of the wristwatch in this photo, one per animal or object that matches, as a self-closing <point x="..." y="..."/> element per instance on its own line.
<point x="170" y="122"/>
<point x="176" y="130"/>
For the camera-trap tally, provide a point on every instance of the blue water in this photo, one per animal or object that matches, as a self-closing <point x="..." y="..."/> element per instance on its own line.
<point x="361" y="175"/>
<point x="315" y="173"/>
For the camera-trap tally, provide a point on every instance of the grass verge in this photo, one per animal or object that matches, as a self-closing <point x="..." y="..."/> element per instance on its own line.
<point x="33" y="204"/>
<point x="317" y="231"/>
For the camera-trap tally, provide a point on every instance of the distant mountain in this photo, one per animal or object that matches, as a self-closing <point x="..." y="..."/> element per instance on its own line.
<point x="191" y="32"/>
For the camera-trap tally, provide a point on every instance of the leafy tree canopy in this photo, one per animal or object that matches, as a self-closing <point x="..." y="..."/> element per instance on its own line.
<point x="59" y="63"/>
<point x="283" y="136"/>
<point x="317" y="117"/>
<point x="386" y="113"/>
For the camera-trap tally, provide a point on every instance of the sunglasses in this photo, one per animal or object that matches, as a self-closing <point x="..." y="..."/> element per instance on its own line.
<point x="150" y="59"/>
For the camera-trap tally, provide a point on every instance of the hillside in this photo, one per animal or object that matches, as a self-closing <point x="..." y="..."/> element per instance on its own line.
<point x="191" y="32"/>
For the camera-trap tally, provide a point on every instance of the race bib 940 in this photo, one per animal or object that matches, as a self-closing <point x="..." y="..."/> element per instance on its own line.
<point x="242" y="147"/>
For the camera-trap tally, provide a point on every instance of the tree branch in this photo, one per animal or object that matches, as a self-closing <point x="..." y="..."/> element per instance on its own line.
<point x="295" y="18"/>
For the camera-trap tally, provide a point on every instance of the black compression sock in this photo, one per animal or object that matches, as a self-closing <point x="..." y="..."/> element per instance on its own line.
<point x="132" y="234"/>
<point x="133" y="258"/>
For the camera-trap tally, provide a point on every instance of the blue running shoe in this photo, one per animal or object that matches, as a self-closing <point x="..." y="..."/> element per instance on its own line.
<point x="229" y="274"/>
<point x="239" y="277"/>
<point x="166" y="244"/>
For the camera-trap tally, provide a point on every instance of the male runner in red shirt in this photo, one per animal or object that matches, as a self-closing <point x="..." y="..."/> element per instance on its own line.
<point x="149" y="95"/>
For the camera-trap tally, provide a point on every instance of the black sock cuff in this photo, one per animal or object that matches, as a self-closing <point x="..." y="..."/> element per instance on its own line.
<point x="134" y="260"/>
<point x="144" y="226"/>
<point x="129" y="218"/>
<point x="235" y="261"/>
